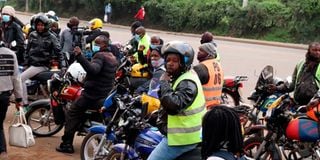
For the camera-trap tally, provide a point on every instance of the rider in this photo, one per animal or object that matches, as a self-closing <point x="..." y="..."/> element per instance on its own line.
<point x="98" y="83"/>
<point x="182" y="103"/>
<point x="305" y="78"/>
<point x="12" y="34"/>
<point x="221" y="134"/>
<point x="143" y="44"/>
<point x="42" y="48"/>
<point x="210" y="73"/>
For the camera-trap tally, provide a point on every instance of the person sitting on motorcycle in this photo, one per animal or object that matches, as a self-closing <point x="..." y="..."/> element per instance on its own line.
<point x="221" y="134"/>
<point x="55" y="29"/>
<point x="97" y="84"/>
<point x="143" y="45"/>
<point x="12" y="34"/>
<point x="207" y="37"/>
<point x="42" y="48"/>
<point x="96" y="25"/>
<point x="305" y="77"/>
<point x="157" y="63"/>
<point x="210" y="74"/>
<point x="182" y="103"/>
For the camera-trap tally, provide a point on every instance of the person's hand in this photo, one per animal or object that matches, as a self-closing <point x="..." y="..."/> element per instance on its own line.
<point x="165" y="76"/>
<point x="141" y="48"/>
<point x="18" y="104"/>
<point x="271" y="88"/>
<point x="77" y="50"/>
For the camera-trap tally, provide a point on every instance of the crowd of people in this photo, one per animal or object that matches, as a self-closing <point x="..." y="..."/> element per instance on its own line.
<point x="191" y="113"/>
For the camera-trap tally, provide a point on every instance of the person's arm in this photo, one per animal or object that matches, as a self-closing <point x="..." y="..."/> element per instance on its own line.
<point x="92" y="67"/>
<point x="202" y="73"/>
<point x="16" y="81"/>
<point x="176" y="101"/>
<point x="57" y="51"/>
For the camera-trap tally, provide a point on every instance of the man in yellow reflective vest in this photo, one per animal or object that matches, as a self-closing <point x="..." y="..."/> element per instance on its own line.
<point x="182" y="103"/>
<point x="210" y="74"/>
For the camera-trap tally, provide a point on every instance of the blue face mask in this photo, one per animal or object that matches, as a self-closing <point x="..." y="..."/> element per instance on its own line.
<point x="95" y="48"/>
<point x="152" y="46"/>
<point x="137" y="37"/>
<point x="5" y="18"/>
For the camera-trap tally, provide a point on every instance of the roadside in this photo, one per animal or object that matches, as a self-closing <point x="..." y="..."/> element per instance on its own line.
<point x="241" y="40"/>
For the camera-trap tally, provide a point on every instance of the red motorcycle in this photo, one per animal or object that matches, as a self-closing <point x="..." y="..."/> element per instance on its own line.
<point x="231" y="91"/>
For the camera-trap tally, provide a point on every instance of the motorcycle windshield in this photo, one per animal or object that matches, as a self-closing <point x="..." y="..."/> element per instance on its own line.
<point x="266" y="77"/>
<point x="154" y="87"/>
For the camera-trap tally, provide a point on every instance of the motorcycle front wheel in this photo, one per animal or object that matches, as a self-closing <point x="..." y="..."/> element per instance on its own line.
<point x="90" y="147"/>
<point x="41" y="120"/>
<point x="230" y="99"/>
<point x="251" y="146"/>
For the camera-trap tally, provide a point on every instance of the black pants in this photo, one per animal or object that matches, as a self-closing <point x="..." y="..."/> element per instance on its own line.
<point x="4" y="103"/>
<point x="75" y="115"/>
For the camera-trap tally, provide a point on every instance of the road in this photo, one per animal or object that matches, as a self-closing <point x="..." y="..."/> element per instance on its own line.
<point x="236" y="58"/>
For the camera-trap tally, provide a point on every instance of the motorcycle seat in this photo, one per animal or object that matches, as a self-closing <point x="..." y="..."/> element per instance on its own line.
<point x="43" y="76"/>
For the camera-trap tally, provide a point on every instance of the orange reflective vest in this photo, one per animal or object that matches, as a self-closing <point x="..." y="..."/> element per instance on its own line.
<point x="213" y="89"/>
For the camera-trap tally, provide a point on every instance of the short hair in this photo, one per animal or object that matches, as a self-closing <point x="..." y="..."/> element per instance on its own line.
<point x="104" y="39"/>
<point x="221" y="129"/>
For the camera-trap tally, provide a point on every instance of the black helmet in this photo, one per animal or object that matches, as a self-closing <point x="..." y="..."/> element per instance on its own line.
<point x="181" y="48"/>
<point x="44" y="19"/>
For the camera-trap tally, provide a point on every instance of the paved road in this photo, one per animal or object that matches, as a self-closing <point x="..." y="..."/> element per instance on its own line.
<point x="237" y="59"/>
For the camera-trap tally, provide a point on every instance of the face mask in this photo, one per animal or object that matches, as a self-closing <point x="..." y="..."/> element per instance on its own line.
<point x="137" y="37"/>
<point x="95" y="48"/>
<point x="157" y="63"/>
<point x="5" y="18"/>
<point x="152" y="46"/>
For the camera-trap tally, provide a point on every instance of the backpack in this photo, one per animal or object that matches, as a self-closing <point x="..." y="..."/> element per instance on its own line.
<point x="227" y="155"/>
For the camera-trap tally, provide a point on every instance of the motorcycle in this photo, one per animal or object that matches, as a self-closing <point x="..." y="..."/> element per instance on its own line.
<point x="231" y="93"/>
<point x="289" y="134"/>
<point x="46" y="117"/>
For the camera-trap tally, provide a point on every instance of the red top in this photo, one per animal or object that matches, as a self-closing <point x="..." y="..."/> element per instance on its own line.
<point x="140" y="14"/>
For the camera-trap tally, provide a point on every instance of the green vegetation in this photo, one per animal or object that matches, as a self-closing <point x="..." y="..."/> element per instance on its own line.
<point x="274" y="20"/>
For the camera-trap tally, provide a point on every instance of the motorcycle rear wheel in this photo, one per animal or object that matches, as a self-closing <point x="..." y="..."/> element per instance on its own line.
<point x="41" y="120"/>
<point x="90" y="145"/>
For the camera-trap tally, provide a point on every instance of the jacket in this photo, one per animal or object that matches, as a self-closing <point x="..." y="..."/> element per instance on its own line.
<point x="42" y="48"/>
<point x="100" y="74"/>
<point x="13" y="32"/>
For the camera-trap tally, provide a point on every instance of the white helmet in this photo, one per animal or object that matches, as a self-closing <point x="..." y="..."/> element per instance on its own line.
<point x="77" y="72"/>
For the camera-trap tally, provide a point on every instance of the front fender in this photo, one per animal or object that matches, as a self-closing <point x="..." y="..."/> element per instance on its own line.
<point x="40" y="102"/>
<point x="130" y="152"/>
<point x="98" y="129"/>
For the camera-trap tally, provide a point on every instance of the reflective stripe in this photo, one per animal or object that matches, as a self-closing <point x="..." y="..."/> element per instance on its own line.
<point x="211" y="88"/>
<point x="184" y="130"/>
<point x="191" y="112"/>
<point x="212" y="98"/>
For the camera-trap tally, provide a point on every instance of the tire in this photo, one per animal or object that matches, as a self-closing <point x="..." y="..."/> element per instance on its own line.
<point x="40" y="119"/>
<point x="114" y="155"/>
<point x="90" y="144"/>
<point x="230" y="98"/>
<point x="251" y="146"/>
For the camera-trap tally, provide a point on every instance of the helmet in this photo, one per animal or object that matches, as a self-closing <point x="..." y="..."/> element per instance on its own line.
<point x="26" y="29"/>
<point x="137" y="72"/>
<point x="96" y="23"/>
<point x="76" y="72"/>
<point x="44" y="19"/>
<point x="181" y="48"/>
<point x="51" y="13"/>
<point x="8" y="10"/>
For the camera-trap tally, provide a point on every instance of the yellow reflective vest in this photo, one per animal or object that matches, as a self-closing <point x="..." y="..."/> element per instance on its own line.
<point x="184" y="128"/>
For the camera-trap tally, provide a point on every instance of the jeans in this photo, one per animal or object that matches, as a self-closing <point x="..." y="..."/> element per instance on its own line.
<point x="27" y="74"/>
<point x="4" y="103"/>
<point x="165" y="152"/>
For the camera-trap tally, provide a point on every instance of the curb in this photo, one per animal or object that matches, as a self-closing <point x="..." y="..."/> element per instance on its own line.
<point x="222" y="38"/>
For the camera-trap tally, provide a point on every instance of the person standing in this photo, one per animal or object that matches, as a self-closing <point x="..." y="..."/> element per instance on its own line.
<point x="182" y="103"/>
<point x="107" y="13"/>
<point x="140" y="14"/>
<point x="12" y="34"/>
<point x="210" y="74"/>
<point x="10" y="80"/>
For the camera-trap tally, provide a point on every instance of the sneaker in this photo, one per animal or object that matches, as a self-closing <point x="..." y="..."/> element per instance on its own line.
<point x="65" y="148"/>
<point x="4" y="156"/>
